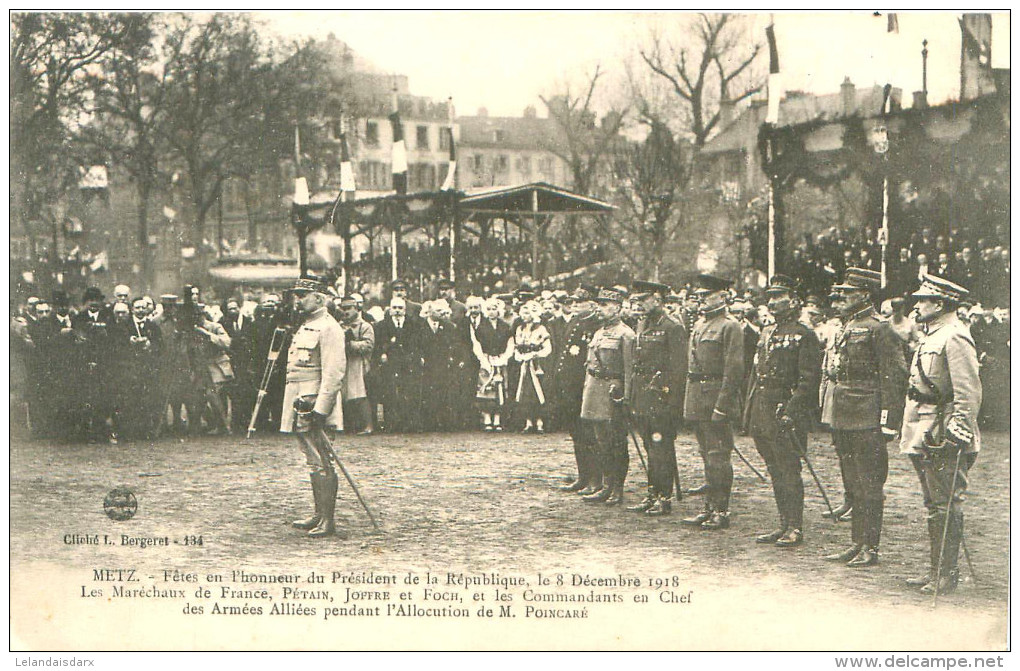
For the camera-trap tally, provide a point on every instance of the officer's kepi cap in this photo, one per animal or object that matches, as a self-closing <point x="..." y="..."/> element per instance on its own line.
<point x="642" y="288"/>
<point x="398" y="284"/>
<point x="584" y="292"/>
<point x="706" y="283"/>
<point x="609" y="296"/>
<point x="933" y="286"/>
<point x="307" y="284"/>
<point x="445" y="283"/>
<point x="860" y="279"/>
<point x="780" y="284"/>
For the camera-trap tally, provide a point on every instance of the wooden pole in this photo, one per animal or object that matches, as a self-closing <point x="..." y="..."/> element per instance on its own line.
<point x="772" y="229"/>
<point x="534" y="234"/>
<point x="393" y="252"/>
<point x="884" y="233"/>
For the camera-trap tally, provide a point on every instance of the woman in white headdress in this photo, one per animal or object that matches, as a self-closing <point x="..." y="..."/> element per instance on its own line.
<point x="493" y="345"/>
<point x="532" y="344"/>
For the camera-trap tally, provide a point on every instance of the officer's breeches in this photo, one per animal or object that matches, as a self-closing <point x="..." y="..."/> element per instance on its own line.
<point x="315" y="446"/>
<point x="659" y="437"/>
<point x="715" y="443"/>
<point x="841" y="454"/>
<point x="784" y="470"/>
<point x="611" y="441"/>
<point x="867" y="465"/>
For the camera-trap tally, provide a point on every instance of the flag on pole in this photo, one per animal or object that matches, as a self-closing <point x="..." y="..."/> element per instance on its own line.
<point x="347" y="183"/>
<point x="892" y="31"/>
<point x="892" y="23"/>
<point x="775" y="94"/>
<point x="451" y="169"/>
<point x="301" y="196"/>
<point x="399" y="159"/>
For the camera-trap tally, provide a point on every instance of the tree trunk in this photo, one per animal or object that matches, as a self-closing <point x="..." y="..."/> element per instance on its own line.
<point x="144" y="193"/>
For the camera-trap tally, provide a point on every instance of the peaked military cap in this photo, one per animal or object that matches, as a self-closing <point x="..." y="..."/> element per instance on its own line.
<point x="612" y="295"/>
<point x="708" y="283"/>
<point x="306" y="284"/>
<point x="445" y="283"/>
<point x="584" y="292"/>
<point x="398" y="284"/>
<point x="782" y="284"/>
<point x="933" y="286"/>
<point x="642" y="288"/>
<point x="860" y="278"/>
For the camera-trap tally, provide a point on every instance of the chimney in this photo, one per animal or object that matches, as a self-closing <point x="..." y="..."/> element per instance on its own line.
<point x="920" y="100"/>
<point x="483" y="112"/>
<point x="848" y="97"/>
<point x="727" y="108"/>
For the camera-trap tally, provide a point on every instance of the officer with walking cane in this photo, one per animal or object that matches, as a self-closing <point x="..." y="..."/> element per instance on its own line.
<point x="787" y="370"/>
<point x="316" y="363"/>
<point x="940" y="430"/>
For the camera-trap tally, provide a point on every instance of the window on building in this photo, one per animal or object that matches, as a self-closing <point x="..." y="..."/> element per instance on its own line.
<point x="372" y="133"/>
<point x="477" y="163"/>
<point x="524" y="166"/>
<point x="422" y="137"/>
<point x="502" y="163"/>
<point x="498" y="135"/>
<point x="545" y="168"/>
<point x="444" y="138"/>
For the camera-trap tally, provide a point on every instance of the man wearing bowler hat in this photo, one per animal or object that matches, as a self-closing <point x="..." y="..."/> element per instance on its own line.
<point x="607" y="395"/>
<point x="660" y="371"/>
<point x="316" y="364"/>
<point x="940" y="430"/>
<point x="867" y="403"/>
<point x="712" y="397"/>
<point x="784" y="388"/>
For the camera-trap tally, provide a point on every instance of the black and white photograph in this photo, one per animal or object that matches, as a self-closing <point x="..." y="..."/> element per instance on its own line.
<point x="512" y="330"/>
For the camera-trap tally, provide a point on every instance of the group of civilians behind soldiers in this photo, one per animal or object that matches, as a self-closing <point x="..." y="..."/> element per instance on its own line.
<point x="599" y="364"/>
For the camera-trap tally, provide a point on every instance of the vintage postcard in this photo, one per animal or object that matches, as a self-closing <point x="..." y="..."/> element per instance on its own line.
<point x="510" y="331"/>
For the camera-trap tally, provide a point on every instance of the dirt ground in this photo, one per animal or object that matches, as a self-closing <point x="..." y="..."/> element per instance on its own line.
<point x="488" y="502"/>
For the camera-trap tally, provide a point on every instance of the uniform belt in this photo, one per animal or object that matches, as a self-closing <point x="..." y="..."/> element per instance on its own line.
<point x="600" y="374"/>
<point x="697" y="377"/>
<point x="921" y="397"/>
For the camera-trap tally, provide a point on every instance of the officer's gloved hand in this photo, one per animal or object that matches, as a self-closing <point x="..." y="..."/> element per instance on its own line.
<point x="888" y="432"/>
<point x="718" y="416"/>
<point x="317" y="420"/>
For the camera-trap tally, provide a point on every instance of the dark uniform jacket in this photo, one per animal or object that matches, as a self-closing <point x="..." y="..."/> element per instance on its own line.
<point x="569" y="364"/>
<point x="787" y="370"/>
<point x="660" y="365"/>
<point x="871" y="375"/>
<point x="716" y="368"/>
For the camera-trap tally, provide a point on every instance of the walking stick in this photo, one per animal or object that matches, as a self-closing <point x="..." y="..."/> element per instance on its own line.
<point x="350" y="480"/>
<point x="633" y="438"/>
<point x="749" y="464"/>
<point x="970" y="564"/>
<point x="787" y="427"/>
<point x="945" y="527"/>
<point x="267" y="374"/>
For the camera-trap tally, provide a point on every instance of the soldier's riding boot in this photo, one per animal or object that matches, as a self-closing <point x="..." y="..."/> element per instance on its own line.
<point x="646" y="503"/>
<point x="314" y="520"/>
<point x="773" y="536"/>
<point x="663" y="506"/>
<point x="949" y="575"/>
<point x="794" y="504"/>
<point x="719" y="519"/>
<point x="327" y="526"/>
<point x="935" y="522"/>
<point x="868" y="555"/>
<point x="603" y="490"/>
<point x="697" y="520"/>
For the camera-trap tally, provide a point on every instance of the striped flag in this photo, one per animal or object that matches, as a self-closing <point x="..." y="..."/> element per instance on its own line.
<point x="775" y="82"/>
<point x="301" y="196"/>
<point x="451" y="171"/>
<point x="399" y="159"/>
<point x="347" y="183"/>
<point x="892" y="23"/>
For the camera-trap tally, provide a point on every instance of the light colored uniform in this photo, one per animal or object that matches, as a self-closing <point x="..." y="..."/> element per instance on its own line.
<point x="950" y="387"/>
<point x="316" y="364"/>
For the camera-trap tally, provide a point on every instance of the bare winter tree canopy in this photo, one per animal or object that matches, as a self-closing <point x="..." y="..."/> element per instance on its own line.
<point x="709" y="59"/>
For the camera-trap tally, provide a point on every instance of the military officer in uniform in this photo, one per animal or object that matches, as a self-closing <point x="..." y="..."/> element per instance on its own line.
<point x="607" y="395"/>
<point x="712" y="397"/>
<point x="867" y="401"/>
<point x="940" y="430"/>
<point x="316" y="364"/>
<point x="784" y="388"/>
<point x="660" y="371"/>
<point x="569" y="373"/>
